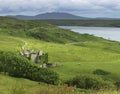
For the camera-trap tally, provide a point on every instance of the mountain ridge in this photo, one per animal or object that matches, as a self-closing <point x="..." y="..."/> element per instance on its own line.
<point x="46" y="16"/>
<point x="58" y="16"/>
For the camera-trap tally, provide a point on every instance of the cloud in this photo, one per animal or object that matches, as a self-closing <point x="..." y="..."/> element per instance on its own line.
<point x="84" y="7"/>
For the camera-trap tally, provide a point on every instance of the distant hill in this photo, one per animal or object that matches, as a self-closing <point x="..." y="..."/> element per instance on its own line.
<point x="106" y="18"/>
<point x="46" y="16"/>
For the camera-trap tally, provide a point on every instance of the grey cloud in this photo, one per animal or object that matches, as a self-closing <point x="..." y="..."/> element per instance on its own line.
<point x="83" y="7"/>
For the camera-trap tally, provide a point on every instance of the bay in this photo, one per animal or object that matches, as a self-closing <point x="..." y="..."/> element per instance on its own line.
<point x="110" y="33"/>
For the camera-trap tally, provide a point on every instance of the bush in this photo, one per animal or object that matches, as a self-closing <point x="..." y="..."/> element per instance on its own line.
<point x="89" y="82"/>
<point x="117" y="84"/>
<point x="14" y="64"/>
<point x="19" y="66"/>
<point x="43" y="75"/>
<point x="101" y="72"/>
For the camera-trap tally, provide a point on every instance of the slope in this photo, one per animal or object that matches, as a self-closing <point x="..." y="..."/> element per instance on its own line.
<point x="42" y="31"/>
<point x="81" y="55"/>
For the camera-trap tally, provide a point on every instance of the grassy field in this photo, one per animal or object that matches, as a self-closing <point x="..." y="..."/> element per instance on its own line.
<point x="79" y="54"/>
<point x="73" y="59"/>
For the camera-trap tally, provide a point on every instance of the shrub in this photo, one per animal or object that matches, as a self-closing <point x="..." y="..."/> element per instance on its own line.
<point x="89" y="82"/>
<point x="117" y="84"/>
<point x="14" y="64"/>
<point x="44" y="75"/>
<point x="101" y="72"/>
<point x="19" y="66"/>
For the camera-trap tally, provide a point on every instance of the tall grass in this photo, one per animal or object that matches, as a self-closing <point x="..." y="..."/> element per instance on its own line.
<point x="48" y="89"/>
<point x="55" y="90"/>
<point x="18" y="89"/>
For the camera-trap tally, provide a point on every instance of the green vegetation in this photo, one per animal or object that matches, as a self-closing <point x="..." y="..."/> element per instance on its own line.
<point x="101" y="72"/>
<point x="77" y="54"/>
<point x="18" y="66"/>
<point x="10" y="85"/>
<point x="98" y="23"/>
<point x="42" y="31"/>
<point x="89" y="82"/>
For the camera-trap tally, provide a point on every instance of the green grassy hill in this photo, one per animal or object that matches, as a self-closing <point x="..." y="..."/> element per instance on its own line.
<point x="76" y="53"/>
<point x="42" y="31"/>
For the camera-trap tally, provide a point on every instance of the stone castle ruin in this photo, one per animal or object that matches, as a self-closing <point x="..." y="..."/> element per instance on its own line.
<point x="38" y="57"/>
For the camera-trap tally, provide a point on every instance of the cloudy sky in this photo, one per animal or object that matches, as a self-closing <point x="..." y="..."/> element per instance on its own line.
<point x="88" y="8"/>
